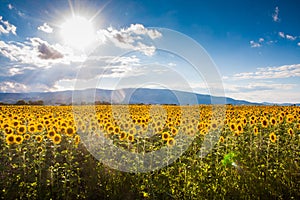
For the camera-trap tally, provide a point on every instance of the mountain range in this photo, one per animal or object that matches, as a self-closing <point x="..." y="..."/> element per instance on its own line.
<point x="123" y="96"/>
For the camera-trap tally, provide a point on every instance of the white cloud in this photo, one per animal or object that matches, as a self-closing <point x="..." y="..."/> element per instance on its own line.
<point x="6" y="27"/>
<point x="45" y="28"/>
<point x="290" y="37"/>
<point x="272" y="96"/>
<point x="261" y="40"/>
<point x="10" y="7"/>
<point x="37" y="52"/>
<point x="281" y="34"/>
<point x="9" y="86"/>
<point x="254" y="44"/>
<point x="298" y="44"/>
<point x="139" y="29"/>
<point x="275" y="15"/>
<point x="172" y="64"/>
<point x="263" y="91"/>
<point x="134" y="38"/>
<point x="284" y="71"/>
<point x="258" y="86"/>
<point x="287" y="36"/>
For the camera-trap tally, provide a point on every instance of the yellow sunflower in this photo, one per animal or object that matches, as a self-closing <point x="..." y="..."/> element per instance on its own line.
<point x="77" y="139"/>
<point x="255" y="130"/>
<point x="10" y="139"/>
<point x="70" y="131"/>
<point x="32" y="128"/>
<point x="165" y="136"/>
<point x="222" y="139"/>
<point x="273" y="121"/>
<point x="122" y="135"/>
<point x="56" y="139"/>
<point x="171" y="142"/>
<point x="39" y="138"/>
<point x="51" y="134"/>
<point x="264" y="122"/>
<point x="290" y="132"/>
<point x="21" y="129"/>
<point x="19" y="139"/>
<point x="130" y="137"/>
<point x="26" y="136"/>
<point x="272" y="137"/>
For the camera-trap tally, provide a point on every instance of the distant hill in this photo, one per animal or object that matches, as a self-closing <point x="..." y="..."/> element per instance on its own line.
<point x="123" y="96"/>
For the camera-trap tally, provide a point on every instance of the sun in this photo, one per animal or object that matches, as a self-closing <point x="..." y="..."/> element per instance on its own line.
<point x="77" y="32"/>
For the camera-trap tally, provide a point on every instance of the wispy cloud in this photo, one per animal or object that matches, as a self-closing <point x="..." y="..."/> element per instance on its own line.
<point x="131" y="38"/>
<point x="284" y="71"/>
<point x="287" y="36"/>
<point x="298" y="44"/>
<point x="281" y="34"/>
<point x="254" y="44"/>
<point x="275" y="15"/>
<point x="6" y="27"/>
<point x="9" y="86"/>
<point x="10" y="7"/>
<point x="263" y="91"/>
<point x="290" y="37"/>
<point x="45" y="28"/>
<point x="258" y="86"/>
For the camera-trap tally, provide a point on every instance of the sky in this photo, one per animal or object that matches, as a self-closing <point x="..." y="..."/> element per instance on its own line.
<point x="248" y="49"/>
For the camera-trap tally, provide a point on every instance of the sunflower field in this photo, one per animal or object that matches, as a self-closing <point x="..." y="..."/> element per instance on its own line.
<point x="254" y="152"/>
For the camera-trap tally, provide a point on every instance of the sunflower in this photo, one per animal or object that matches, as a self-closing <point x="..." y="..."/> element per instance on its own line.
<point x="174" y="131"/>
<point x="255" y="130"/>
<point x="51" y="134"/>
<point x="239" y="129"/>
<point x="222" y="139"/>
<point x="40" y="149"/>
<point x="298" y="126"/>
<point x="130" y="137"/>
<point x="40" y="127"/>
<point x="19" y="139"/>
<point x="165" y="136"/>
<point x="289" y="118"/>
<point x="56" y="139"/>
<point x="214" y="125"/>
<point x="264" y="122"/>
<point x="203" y="131"/>
<point x="273" y="121"/>
<point x="39" y="138"/>
<point x="62" y="130"/>
<point x="70" y="131"/>
<point x="31" y="128"/>
<point x="77" y="139"/>
<point x="10" y="139"/>
<point x="8" y="130"/>
<point x="132" y="131"/>
<point x="117" y="130"/>
<point x="272" y="137"/>
<point x="232" y="126"/>
<point x="21" y="129"/>
<point x="110" y="129"/>
<point x="15" y="123"/>
<point x="200" y="126"/>
<point x="244" y="120"/>
<point x="26" y="136"/>
<point x="171" y="142"/>
<point x="291" y="132"/>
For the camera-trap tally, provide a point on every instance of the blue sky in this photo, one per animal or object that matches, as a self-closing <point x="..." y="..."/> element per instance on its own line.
<point x="255" y="45"/>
